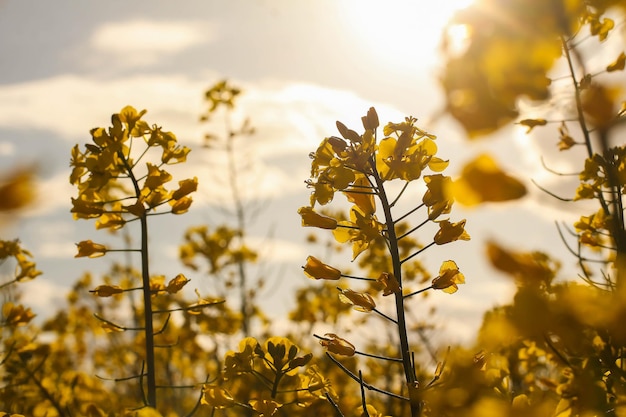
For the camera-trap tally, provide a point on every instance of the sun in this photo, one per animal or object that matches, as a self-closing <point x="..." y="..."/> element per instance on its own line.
<point x="403" y="33"/>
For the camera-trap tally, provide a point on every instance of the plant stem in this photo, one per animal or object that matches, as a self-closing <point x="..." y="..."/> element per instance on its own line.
<point x="147" y="294"/>
<point x="407" y="364"/>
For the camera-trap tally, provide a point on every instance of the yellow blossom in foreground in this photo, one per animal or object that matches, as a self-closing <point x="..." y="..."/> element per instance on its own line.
<point x="312" y="219"/>
<point x="315" y="269"/>
<point x="16" y="191"/>
<point x="482" y="180"/>
<point x="449" y="278"/>
<point x="90" y="249"/>
<point x="450" y="232"/>
<point x="16" y="315"/>
<point x="336" y="344"/>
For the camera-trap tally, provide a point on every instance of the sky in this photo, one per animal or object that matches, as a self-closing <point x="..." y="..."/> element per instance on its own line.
<point x="302" y="65"/>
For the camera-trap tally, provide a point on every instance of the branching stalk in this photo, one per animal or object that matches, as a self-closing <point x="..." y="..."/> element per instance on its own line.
<point x="147" y="294"/>
<point x="397" y="272"/>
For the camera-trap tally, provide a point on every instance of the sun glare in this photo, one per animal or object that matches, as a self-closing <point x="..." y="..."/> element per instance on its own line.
<point x="404" y="34"/>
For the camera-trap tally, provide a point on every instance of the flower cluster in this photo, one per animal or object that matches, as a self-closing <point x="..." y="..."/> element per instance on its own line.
<point x="105" y="173"/>
<point x="359" y="166"/>
<point x="277" y="365"/>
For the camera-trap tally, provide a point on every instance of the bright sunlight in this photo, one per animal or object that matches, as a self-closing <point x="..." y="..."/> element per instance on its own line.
<point x="403" y="35"/>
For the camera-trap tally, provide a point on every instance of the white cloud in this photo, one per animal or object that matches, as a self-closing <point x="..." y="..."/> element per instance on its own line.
<point x="144" y="42"/>
<point x="51" y="194"/>
<point x="43" y="296"/>
<point x="7" y="149"/>
<point x="70" y="106"/>
<point x="290" y="120"/>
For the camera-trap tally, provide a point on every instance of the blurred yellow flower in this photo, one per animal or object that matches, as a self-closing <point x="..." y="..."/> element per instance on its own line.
<point x="217" y="397"/>
<point x="90" y="249"/>
<point x="482" y="181"/>
<point x="336" y="344"/>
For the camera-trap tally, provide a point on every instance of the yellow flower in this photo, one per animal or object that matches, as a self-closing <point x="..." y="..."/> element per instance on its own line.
<point x="336" y="344"/>
<point x="174" y="154"/>
<point x="185" y="187"/>
<point x="16" y="315"/>
<point x="361" y="230"/>
<point x="17" y="190"/>
<point x="217" y="397"/>
<point x="316" y="269"/>
<point x="107" y="290"/>
<point x="312" y="219"/>
<point x="360" y="300"/>
<point x="450" y="232"/>
<point x="449" y="278"/>
<point x="156" y="177"/>
<point x="482" y="180"/>
<point x="316" y="381"/>
<point x="111" y="221"/>
<point x="529" y="269"/>
<point x="86" y="209"/>
<point x="364" y="200"/>
<point x="236" y="363"/>
<point x="370" y="121"/>
<point x="136" y="209"/>
<point x="181" y="206"/>
<point x="176" y="284"/>
<point x="265" y="407"/>
<point x="390" y="283"/>
<point x="90" y="249"/>
<point x="437" y="198"/>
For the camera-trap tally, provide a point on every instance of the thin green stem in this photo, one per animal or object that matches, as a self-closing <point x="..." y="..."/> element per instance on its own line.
<point x="395" y="200"/>
<point x="409" y="212"/>
<point x="418" y="292"/>
<point x="413" y="229"/>
<point x="385" y="358"/>
<point x="418" y="252"/>
<point x="359" y="278"/>
<point x="405" y="350"/>
<point x="366" y="385"/>
<point x="147" y="294"/>
<point x="380" y="313"/>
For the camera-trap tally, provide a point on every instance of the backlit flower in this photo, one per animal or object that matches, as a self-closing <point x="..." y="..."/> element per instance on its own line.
<point x="312" y="219"/>
<point x="336" y="344"/>
<point x="90" y="249"/>
<point x="449" y="278"/>
<point x="316" y="269"/>
<point x="360" y="300"/>
<point x="450" y="232"/>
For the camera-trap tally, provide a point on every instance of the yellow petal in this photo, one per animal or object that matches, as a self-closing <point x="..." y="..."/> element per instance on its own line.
<point x="176" y="284"/>
<point x="107" y="290"/>
<point x="483" y="181"/>
<point x="310" y="218"/>
<point x="316" y="269"/>
<point x="618" y="64"/>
